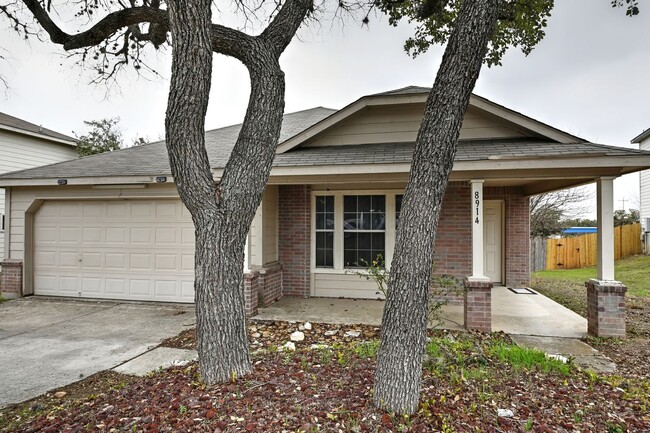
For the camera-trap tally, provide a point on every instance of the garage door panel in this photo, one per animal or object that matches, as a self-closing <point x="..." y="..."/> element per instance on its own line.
<point x="68" y="235"/>
<point x="135" y="249"/>
<point x="115" y="261"/>
<point x="116" y="235"/>
<point x="167" y="235"/>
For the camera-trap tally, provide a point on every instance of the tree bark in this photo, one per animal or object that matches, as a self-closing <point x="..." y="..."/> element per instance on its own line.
<point x="399" y="361"/>
<point x="222" y="213"/>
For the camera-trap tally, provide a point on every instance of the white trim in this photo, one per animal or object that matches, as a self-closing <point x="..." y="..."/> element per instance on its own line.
<point x="339" y="267"/>
<point x="476" y="200"/>
<point x="605" y="215"/>
<point x="37" y="135"/>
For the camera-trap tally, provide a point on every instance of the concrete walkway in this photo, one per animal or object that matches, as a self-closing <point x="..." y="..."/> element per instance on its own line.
<point x="511" y="313"/>
<point x="47" y="343"/>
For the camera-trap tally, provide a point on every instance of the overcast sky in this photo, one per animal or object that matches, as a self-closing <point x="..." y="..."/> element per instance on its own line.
<point x="589" y="77"/>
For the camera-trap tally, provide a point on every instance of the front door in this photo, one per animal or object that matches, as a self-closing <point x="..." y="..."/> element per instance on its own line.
<point x="492" y="240"/>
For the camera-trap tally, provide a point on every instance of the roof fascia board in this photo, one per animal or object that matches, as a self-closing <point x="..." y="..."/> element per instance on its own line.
<point x="523" y="120"/>
<point x="41" y="136"/>
<point x="639" y="138"/>
<point x="71" y="181"/>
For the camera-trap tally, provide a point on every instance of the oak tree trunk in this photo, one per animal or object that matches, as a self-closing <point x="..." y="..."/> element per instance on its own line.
<point x="399" y="361"/>
<point x="222" y="212"/>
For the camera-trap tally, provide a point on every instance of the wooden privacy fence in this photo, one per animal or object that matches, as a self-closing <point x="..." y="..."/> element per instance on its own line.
<point x="581" y="251"/>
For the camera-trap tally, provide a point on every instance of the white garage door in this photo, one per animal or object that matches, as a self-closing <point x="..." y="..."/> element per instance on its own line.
<point x="129" y="249"/>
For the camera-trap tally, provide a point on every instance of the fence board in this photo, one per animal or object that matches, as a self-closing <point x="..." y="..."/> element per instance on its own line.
<point x="582" y="251"/>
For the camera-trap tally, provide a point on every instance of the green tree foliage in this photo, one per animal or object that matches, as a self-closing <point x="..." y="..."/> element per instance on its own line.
<point x="623" y="217"/>
<point x="521" y="24"/>
<point x="104" y="136"/>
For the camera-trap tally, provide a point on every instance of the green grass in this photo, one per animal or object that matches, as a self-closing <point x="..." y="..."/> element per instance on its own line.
<point x="522" y="358"/>
<point x="633" y="271"/>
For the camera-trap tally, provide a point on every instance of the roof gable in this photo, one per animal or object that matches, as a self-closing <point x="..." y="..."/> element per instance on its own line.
<point x="395" y="116"/>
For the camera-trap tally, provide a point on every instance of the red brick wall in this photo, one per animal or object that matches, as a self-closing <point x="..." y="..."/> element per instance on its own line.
<point x="453" y="248"/>
<point x="12" y="278"/>
<point x="294" y="234"/>
<point x="251" y="285"/>
<point x="270" y="283"/>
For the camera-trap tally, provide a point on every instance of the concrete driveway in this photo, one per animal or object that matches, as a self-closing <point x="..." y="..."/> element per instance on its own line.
<point x="46" y="343"/>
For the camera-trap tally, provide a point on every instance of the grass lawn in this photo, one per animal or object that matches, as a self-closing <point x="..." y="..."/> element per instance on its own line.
<point x="633" y="271"/>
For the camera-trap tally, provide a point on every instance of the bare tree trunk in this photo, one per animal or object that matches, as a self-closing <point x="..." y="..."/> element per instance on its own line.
<point x="222" y="213"/>
<point x="399" y="361"/>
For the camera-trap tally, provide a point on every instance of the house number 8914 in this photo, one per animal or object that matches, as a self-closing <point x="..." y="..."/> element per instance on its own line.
<point x="477" y="203"/>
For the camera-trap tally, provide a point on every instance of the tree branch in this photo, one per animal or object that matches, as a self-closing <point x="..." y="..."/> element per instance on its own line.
<point x="107" y="26"/>
<point x="282" y="29"/>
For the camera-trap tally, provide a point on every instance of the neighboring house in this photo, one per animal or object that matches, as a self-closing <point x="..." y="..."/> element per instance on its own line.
<point x="643" y="140"/>
<point x="25" y="145"/>
<point x="112" y="225"/>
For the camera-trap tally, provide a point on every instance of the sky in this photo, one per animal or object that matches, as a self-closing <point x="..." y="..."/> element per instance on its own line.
<point x="589" y="77"/>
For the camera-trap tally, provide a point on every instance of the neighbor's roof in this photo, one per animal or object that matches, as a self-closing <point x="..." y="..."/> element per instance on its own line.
<point x="14" y="124"/>
<point x="639" y="138"/>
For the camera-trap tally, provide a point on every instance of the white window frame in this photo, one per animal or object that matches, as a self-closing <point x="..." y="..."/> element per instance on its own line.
<point x="339" y="267"/>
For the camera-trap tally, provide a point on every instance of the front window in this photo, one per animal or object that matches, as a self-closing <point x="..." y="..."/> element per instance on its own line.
<point x="364" y="229"/>
<point x="325" y="231"/>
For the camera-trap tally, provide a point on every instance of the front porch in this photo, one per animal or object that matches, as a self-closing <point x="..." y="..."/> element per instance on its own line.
<point x="511" y="313"/>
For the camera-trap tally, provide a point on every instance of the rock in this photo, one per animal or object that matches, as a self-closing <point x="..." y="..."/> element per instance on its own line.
<point x="256" y="335"/>
<point x="297" y="336"/>
<point x="289" y="345"/>
<point x="505" y="413"/>
<point x="352" y="334"/>
<point x="301" y="327"/>
<point x="266" y="334"/>
<point x="60" y="394"/>
<point x="319" y="346"/>
<point x="307" y="326"/>
<point x="331" y="332"/>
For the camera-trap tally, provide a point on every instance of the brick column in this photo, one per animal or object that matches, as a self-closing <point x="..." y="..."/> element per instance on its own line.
<point x="606" y="308"/>
<point x="478" y="304"/>
<point x="270" y="284"/>
<point x="251" y="285"/>
<point x="294" y="239"/>
<point x="11" y="283"/>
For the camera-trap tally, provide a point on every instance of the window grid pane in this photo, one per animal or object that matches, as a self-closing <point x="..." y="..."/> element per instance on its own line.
<point x="324" y="231"/>
<point x="364" y="229"/>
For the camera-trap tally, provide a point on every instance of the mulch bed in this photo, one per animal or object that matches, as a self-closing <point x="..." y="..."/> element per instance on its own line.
<point x="330" y="390"/>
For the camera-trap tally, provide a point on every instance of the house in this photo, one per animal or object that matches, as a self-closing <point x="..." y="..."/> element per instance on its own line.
<point x="25" y="145"/>
<point x="643" y="140"/>
<point x="112" y="226"/>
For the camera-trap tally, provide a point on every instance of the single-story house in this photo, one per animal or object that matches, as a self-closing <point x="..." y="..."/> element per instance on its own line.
<point x="643" y="140"/>
<point x="112" y="225"/>
<point x="25" y="145"/>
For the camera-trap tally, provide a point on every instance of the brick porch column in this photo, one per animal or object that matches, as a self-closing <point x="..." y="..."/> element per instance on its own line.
<point x="251" y="287"/>
<point x="11" y="283"/>
<point x="478" y="304"/>
<point x="606" y="308"/>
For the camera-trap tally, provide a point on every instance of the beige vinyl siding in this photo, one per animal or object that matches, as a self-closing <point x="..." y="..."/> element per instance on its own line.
<point x="401" y="124"/>
<point x="263" y="237"/>
<point x="20" y="152"/>
<point x="336" y="285"/>
<point x="645" y="187"/>
<point x="23" y="197"/>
